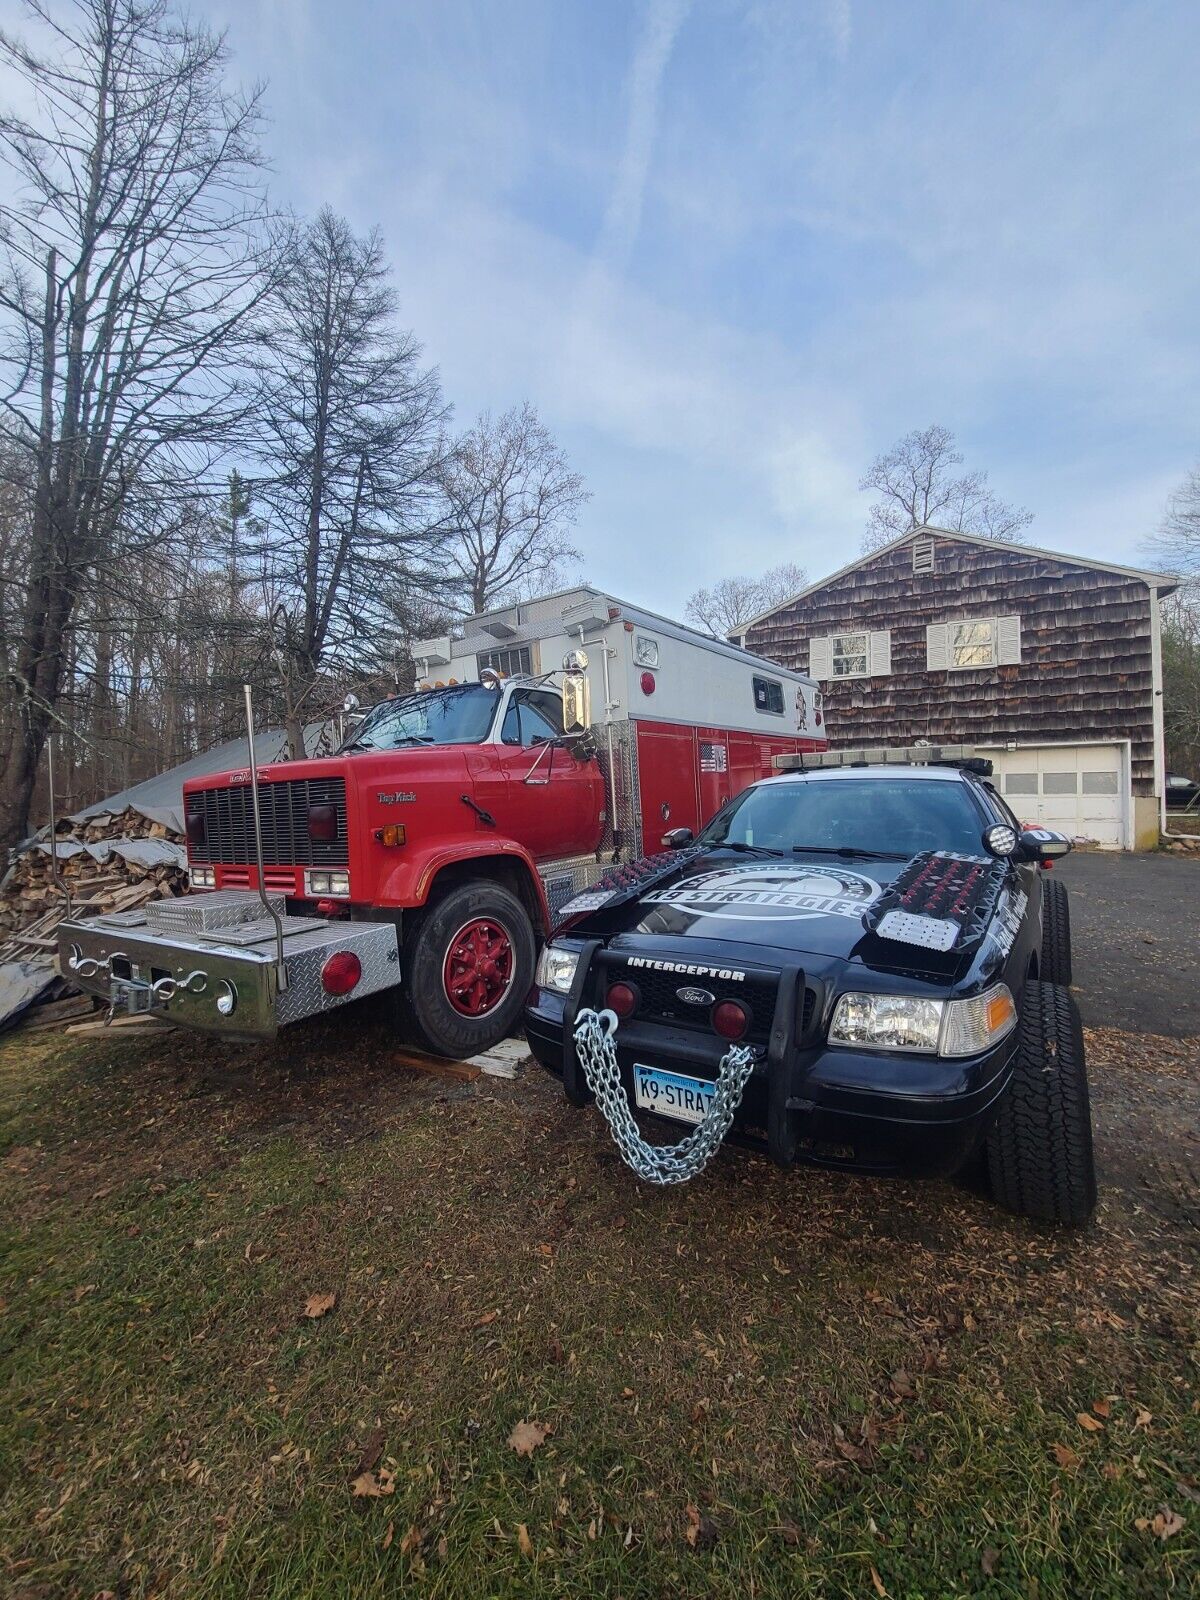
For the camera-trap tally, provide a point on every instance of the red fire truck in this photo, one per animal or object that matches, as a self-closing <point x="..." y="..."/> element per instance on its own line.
<point x="435" y="850"/>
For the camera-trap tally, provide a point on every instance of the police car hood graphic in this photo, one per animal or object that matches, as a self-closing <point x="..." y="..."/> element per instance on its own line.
<point x="815" y="904"/>
<point x="811" y="906"/>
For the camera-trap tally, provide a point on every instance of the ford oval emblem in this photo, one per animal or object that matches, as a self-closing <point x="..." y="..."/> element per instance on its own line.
<point x="695" y="997"/>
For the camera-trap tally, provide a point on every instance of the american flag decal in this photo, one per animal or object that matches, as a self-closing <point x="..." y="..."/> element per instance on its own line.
<point x="713" y="757"/>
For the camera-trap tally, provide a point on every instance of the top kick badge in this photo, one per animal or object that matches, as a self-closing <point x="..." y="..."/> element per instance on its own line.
<point x="770" y="894"/>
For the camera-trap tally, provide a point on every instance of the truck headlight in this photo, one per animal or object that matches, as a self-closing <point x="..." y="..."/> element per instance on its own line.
<point x="556" y="968"/>
<point x="202" y="877"/>
<point x="320" y="885"/>
<point x="907" y="1022"/>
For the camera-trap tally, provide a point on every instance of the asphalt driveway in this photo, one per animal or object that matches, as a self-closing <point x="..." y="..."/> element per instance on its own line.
<point x="1135" y="934"/>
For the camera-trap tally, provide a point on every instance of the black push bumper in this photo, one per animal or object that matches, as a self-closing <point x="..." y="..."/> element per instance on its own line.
<point x="883" y="1112"/>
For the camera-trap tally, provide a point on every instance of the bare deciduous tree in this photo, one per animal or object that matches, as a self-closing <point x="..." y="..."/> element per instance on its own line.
<point x="350" y="425"/>
<point x="1176" y="547"/>
<point x="917" y="488"/>
<point x="511" y="497"/>
<point x="732" y="602"/>
<point x="129" y="268"/>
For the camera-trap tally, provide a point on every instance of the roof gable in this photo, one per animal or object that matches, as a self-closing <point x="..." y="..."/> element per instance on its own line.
<point x="1158" y="580"/>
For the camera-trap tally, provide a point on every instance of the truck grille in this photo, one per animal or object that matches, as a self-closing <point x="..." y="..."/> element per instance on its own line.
<point x="283" y="807"/>
<point x="661" y="1003"/>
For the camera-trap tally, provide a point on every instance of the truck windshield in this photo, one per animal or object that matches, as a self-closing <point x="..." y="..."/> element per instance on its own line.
<point x="461" y="714"/>
<point x="883" y="816"/>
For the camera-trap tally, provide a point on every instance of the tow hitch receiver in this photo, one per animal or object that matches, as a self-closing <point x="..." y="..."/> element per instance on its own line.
<point x="209" y="962"/>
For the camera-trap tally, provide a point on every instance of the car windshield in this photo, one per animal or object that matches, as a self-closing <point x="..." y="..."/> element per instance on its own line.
<point x="461" y="714"/>
<point x="885" y="816"/>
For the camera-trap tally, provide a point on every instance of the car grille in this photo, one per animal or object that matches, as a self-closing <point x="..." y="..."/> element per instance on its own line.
<point x="660" y="1001"/>
<point x="283" y="808"/>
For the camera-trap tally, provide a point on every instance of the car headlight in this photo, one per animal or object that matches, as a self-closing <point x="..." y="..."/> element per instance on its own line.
<point x="907" y="1022"/>
<point x="556" y="968"/>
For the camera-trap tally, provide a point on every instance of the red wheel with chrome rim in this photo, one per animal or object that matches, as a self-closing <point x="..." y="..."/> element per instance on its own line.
<point x="467" y="964"/>
<point x="478" y="970"/>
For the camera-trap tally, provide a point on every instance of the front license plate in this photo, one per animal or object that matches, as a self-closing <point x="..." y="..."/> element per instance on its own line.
<point x="672" y="1094"/>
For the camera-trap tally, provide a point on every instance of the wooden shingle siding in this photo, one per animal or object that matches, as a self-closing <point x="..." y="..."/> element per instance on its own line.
<point x="1085" y="672"/>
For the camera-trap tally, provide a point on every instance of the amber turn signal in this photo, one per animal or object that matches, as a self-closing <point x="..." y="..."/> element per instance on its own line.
<point x="393" y="834"/>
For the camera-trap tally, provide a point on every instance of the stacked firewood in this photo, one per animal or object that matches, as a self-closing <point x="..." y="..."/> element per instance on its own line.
<point x="108" y="877"/>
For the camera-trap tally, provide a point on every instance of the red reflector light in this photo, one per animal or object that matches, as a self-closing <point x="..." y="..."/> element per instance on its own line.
<point x="323" y="823"/>
<point x="622" y="999"/>
<point x="730" y="1019"/>
<point x="648" y="684"/>
<point x="341" y="972"/>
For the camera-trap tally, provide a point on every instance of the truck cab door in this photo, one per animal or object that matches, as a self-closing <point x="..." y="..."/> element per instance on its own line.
<point x="553" y="799"/>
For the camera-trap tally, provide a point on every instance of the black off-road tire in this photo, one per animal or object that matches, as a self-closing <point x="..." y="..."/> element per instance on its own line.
<point x="1039" y="1149"/>
<point x="427" y="1018"/>
<point x="1055" y="960"/>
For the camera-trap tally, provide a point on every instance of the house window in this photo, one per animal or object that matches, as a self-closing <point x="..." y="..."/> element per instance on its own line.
<point x="514" y="661"/>
<point x="978" y="644"/>
<point x="768" y="696"/>
<point x="850" y="655"/>
<point x="973" y="644"/>
<point x="1100" y="783"/>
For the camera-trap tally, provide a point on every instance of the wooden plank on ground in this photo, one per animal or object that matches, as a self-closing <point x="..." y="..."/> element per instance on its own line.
<point x="152" y="1024"/>
<point x="438" y="1066"/>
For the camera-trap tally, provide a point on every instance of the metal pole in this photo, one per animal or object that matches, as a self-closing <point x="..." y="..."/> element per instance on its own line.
<point x="55" y="876"/>
<point x="280" y="964"/>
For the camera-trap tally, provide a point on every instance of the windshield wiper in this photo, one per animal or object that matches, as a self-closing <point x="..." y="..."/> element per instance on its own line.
<point x="850" y="851"/>
<point x="394" y="744"/>
<point x="753" y="849"/>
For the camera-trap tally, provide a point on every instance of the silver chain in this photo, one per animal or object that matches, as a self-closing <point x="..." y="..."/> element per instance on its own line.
<point x="673" y="1163"/>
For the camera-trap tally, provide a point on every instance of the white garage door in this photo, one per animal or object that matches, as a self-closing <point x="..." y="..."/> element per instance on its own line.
<point x="1079" y="789"/>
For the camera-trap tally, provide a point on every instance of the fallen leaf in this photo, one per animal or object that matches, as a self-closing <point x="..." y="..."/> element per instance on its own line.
<point x="318" y="1304"/>
<point x="487" y="1318"/>
<point x="878" y="1582"/>
<point x="524" y="1542"/>
<point x="372" y="1449"/>
<point x="1088" y="1422"/>
<point x="386" y="1542"/>
<point x="527" y="1436"/>
<point x="902" y="1384"/>
<point x="1166" y="1523"/>
<point x="82" y="1289"/>
<point x="411" y="1541"/>
<point x="1102" y="1407"/>
<point x="1143" y="1419"/>
<point x="369" y="1487"/>
<point x="1065" y="1456"/>
<point x="989" y="1560"/>
<point x="701" y="1531"/>
<point x="555" y="1352"/>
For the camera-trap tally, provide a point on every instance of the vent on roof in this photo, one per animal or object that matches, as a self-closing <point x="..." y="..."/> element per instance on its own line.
<point x="922" y="555"/>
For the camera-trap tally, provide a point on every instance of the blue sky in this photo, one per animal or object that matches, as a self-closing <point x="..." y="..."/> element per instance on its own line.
<point x="733" y="248"/>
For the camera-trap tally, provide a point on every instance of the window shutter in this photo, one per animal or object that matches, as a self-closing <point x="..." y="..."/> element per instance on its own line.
<point x="820" y="659"/>
<point x="937" y="647"/>
<point x="879" y="660"/>
<point x="1008" y="641"/>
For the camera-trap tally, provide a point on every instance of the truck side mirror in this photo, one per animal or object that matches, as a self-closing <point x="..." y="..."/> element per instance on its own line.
<point x="676" y="838"/>
<point x="1043" y="845"/>
<point x="576" y="703"/>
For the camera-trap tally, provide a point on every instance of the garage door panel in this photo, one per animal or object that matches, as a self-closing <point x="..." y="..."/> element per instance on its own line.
<point x="1080" y="790"/>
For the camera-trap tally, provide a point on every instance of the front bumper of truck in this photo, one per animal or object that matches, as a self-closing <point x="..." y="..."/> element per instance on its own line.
<point x="859" y="1110"/>
<point x="210" y="962"/>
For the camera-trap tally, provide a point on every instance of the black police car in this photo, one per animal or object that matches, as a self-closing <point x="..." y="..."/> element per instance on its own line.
<point x="882" y="941"/>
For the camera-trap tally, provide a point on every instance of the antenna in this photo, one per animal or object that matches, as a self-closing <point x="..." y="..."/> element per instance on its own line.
<point x="280" y="963"/>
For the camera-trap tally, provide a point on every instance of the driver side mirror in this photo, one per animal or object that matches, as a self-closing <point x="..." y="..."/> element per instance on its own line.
<point x="676" y="838"/>
<point x="1043" y="845"/>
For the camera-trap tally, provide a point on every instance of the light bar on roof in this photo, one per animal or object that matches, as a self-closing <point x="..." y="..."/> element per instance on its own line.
<point x="913" y="755"/>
